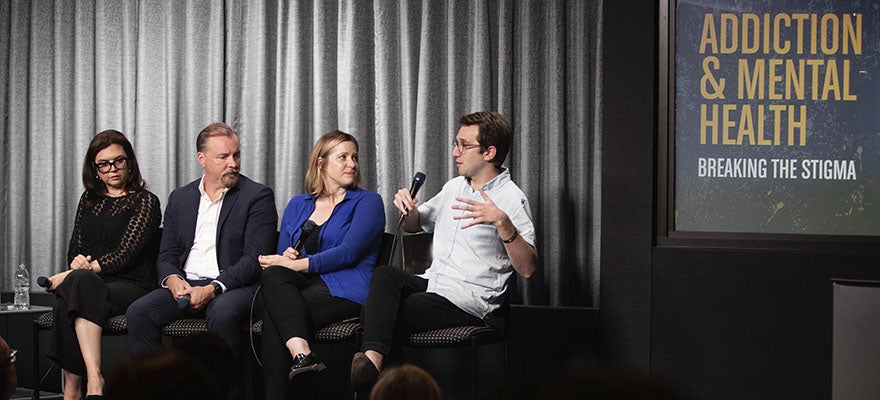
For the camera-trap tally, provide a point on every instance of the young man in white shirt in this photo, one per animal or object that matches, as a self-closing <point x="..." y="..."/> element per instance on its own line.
<point x="483" y="232"/>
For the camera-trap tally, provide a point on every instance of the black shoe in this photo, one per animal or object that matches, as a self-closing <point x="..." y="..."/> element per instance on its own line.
<point x="363" y="375"/>
<point x="305" y="363"/>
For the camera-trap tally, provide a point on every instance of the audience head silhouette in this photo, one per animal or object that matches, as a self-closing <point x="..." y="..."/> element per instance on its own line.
<point x="406" y="382"/>
<point x="8" y="379"/>
<point x="172" y="375"/>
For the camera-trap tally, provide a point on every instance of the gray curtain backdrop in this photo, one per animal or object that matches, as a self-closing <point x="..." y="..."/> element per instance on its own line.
<point x="396" y="74"/>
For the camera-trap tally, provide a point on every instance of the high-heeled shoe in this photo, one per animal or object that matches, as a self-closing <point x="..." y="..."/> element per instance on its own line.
<point x="364" y="375"/>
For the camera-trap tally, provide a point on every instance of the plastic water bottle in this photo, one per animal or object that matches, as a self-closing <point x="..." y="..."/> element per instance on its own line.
<point x="22" y="300"/>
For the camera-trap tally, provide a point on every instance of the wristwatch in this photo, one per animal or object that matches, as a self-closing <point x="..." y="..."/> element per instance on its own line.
<point x="217" y="288"/>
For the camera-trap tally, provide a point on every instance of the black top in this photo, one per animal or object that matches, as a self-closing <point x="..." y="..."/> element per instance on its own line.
<point x="312" y="244"/>
<point x="119" y="232"/>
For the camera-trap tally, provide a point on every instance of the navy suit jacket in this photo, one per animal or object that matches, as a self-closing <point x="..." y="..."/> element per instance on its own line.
<point x="246" y="229"/>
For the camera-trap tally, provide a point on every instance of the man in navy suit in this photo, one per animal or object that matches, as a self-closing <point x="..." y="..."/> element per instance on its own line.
<point x="214" y="230"/>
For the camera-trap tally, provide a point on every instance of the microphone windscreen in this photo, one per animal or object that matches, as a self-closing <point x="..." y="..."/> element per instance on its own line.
<point x="308" y="227"/>
<point x="418" y="181"/>
<point x="44" y="282"/>
<point x="183" y="302"/>
<point x="306" y="230"/>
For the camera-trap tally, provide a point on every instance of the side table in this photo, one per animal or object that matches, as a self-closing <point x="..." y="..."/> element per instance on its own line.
<point x="17" y="326"/>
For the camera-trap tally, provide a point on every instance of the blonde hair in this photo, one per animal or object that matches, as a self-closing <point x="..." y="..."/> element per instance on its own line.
<point x="314" y="184"/>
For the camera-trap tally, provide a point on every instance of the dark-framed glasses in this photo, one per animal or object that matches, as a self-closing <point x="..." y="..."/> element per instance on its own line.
<point x="462" y="147"/>
<point x="106" y="166"/>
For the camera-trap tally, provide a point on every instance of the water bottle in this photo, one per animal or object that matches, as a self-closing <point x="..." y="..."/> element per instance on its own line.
<point x="22" y="299"/>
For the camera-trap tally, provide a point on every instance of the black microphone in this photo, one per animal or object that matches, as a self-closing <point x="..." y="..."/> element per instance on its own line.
<point x="417" y="182"/>
<point x="183" y="302"/>
<point x="306" y="228"/>
<point x="44" y="282"/>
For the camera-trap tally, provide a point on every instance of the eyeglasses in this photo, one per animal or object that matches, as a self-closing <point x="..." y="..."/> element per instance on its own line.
<point x="462" y="147"/>
<point x="106" y="166"/>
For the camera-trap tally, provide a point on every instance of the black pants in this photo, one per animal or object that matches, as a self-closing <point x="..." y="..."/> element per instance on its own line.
<point x="83" y="294"/>
<point x="296" y="305"/>
<point x="398" y="302"/>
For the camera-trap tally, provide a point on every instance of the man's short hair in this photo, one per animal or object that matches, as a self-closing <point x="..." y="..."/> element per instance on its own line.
<point x="213" y="130"/>
<point x="494" y="131"/>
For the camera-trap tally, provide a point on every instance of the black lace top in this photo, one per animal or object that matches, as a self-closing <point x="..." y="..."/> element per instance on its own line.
<point x="120" y="233"/>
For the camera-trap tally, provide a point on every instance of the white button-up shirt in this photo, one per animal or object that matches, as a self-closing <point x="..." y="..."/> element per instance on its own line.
<point x="470" y="266"/>
<point x="202" y="260"/>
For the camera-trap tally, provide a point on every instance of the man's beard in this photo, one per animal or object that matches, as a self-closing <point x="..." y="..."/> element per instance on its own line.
<point x="229" y="179"/>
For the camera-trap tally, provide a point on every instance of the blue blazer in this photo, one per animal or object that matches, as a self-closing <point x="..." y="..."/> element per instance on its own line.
<point x="245" y="230"/>
<point x="349" y="240"/>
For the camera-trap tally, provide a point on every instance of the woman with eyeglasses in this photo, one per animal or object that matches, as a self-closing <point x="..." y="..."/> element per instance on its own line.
<point x="111" y="256"/>
<point x="327" y="249"/>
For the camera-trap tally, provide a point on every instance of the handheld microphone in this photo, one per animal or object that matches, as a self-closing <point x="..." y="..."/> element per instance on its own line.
<point x="183" y="302"/>
<point x="306" y="228"/>
<point x="417" y="182"/>
<point x="44" y="282"/>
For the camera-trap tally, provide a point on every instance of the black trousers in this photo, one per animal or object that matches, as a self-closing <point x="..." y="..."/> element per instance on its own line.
<point x="295" y="305"/>
<point x="398" y="303"/>
<point x="83" y="294"/>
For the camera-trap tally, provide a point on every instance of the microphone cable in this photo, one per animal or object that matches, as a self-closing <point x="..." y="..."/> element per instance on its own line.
<point x="307" y="228"/>
<point x="391" y="255"/>
<point x="251" y="327"/>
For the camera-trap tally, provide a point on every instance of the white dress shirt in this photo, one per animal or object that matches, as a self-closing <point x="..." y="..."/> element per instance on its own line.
<point x="471" y="266"/>
<point x="202" y="260"/>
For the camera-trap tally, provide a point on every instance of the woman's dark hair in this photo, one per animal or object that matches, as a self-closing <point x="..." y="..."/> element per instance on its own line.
<point x="95" y="189"/>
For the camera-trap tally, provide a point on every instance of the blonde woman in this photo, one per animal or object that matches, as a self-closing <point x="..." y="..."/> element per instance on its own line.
<point x="327" y="249"/>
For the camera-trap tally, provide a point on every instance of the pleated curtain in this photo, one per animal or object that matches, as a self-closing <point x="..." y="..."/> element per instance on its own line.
<point x="396" y="74"/>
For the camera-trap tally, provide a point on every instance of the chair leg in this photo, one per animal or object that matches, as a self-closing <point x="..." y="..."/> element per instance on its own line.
<point x="475" y="368"/>
<point x="506" y="359"/>
<point x="36" y="361"/>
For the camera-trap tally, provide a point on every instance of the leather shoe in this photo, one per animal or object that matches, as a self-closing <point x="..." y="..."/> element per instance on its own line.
<point x="305" y="363"/>
<point x="363" y="375"/>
